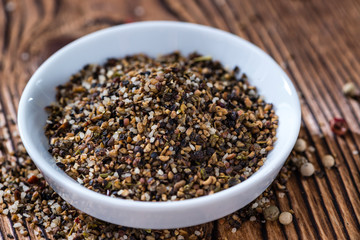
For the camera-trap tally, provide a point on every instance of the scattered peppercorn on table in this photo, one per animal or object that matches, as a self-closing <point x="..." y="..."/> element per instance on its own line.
<point x="315" y="196"/>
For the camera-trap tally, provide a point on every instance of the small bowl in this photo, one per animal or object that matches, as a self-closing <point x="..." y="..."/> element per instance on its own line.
<point x="154" y="38"/>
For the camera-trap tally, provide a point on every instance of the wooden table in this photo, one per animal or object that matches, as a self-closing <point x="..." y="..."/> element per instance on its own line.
<point x="315" y="41"/>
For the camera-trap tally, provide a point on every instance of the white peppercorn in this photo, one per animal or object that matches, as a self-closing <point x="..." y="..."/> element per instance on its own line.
<point x="300" y="145"/>
<point x="349" y="89"/>
<point x="307" y="169"/>
<point x="328" y="161"/>
<point x="285" y="218"/>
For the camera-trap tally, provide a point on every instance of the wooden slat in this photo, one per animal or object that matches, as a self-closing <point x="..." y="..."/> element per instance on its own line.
<point x="306" y="115"/>
<point x="324" y="107"/>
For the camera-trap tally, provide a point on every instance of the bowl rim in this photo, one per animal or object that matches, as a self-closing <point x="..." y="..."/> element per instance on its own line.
<point x="48" y="169"/>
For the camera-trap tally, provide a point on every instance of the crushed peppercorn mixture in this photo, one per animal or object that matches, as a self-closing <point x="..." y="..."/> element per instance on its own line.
<point x="169" y="128"/>
<point x="30" y="202"/>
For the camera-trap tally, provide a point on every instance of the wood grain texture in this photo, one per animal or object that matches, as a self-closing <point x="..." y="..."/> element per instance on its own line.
<point x="315" y="41"/>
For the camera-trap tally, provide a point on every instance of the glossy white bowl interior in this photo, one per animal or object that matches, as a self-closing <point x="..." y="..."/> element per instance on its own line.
<point x="154" y="38"/>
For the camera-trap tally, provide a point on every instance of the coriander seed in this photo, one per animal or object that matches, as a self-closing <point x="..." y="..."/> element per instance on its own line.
<point x="271" y="213"/>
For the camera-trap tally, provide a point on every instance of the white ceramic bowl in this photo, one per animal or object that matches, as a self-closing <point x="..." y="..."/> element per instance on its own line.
<point x="154" y="38"/>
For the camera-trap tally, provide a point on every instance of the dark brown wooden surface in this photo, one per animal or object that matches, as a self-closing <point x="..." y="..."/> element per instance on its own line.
<point x="317" y="42"/>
